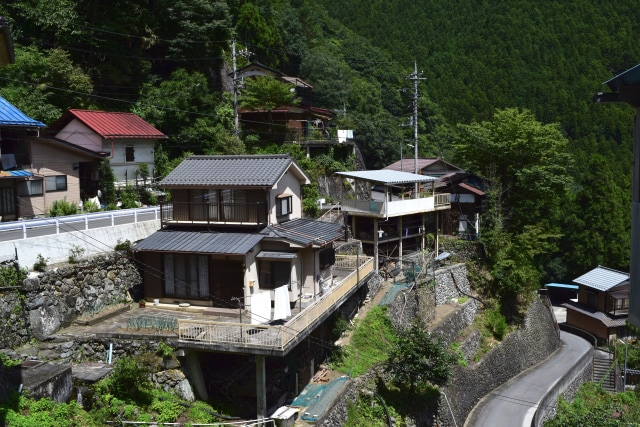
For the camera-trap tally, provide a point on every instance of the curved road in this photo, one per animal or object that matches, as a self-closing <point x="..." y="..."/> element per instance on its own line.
<point x="515" y="402"/>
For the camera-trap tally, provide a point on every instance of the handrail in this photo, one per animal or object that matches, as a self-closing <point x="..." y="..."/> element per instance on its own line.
<point x="62" y="224"/>
<point x="274" y="337"/>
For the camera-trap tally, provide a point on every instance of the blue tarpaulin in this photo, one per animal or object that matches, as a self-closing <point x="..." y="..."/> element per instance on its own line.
<point x="560" y="285"/>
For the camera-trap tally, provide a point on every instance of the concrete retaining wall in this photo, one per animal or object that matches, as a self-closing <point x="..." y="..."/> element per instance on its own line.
<point x="56" y="248"/>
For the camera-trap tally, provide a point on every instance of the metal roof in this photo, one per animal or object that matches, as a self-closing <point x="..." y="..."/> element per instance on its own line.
<point x="305" y="231"/>
<point x="232" y="171"/>
<point x="602" y="278"/>
<point x="11" y="116"/>
<point x="560" y="285"/>
<point x="387" y="177"/>
<point x="197" y="242"/>
<point x="113" y="125"/>
<point x="595" y="314"/>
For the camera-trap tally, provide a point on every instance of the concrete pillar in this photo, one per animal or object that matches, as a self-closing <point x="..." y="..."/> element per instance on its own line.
<point x="192" y="365"/>
<point x="375" y="243"/>
<point x="261" y="388"/>
<point x="401" y="235"/>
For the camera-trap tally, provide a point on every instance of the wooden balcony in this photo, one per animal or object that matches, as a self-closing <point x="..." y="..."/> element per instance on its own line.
<point x="176" y="213"/>
<point x="271" y="339"/>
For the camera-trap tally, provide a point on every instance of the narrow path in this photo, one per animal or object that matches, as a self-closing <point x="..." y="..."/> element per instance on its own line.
<point x="515" y="402"/>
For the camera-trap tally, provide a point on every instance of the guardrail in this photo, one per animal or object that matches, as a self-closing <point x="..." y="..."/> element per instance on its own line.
<point x="270" y="336"/>
<point x="28" y="228"/>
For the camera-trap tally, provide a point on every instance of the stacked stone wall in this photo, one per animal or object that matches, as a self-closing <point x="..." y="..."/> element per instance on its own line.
<point x="50" y="300"/>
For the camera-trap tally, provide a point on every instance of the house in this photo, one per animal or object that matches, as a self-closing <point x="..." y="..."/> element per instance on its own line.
<point x="123" y="138"/>
<point x="59" y="171"/>
<point x="603" y="304"/>
<point x="15" y="152"/>
<point x="467" y="193"/>
<point x="388" y="215"/>
<point x="233" y="240"/>
<point x="304" y="124"/>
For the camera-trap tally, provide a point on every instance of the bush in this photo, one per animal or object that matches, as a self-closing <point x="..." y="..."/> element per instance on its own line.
<point x="62" y="208"/>
<point x="41" y="263"/>
<point x="496" y="323"/>
<point x="129" y="381"/>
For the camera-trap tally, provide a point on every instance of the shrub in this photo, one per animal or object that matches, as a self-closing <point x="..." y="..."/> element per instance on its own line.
<point x="62" y="208"/>
<point x="41" y="263"/>
<point x="496" y="323"/>
<point x="90" y="206"/>
<point x="75" y="254"/>
<point x="129" y="381"/>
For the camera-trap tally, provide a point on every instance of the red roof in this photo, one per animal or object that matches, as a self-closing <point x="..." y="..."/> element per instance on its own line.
<point x="115" y="125"/>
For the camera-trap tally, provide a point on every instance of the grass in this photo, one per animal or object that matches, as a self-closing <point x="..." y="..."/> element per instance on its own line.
<point x="369" y="346"/>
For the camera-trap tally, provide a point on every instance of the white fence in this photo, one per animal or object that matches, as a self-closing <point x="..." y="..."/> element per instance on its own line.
<point x="29" y="228"/>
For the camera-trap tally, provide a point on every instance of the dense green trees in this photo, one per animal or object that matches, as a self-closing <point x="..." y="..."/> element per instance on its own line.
<point x="490" y="68"/>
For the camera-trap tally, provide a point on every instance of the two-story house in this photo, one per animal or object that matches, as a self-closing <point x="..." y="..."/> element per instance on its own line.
<point x="233" y="239"/>
<point x="124" y="138"/>
<point x="392" y="211"/>
<point x="467" y="193"/>
<point x="603" y="304"/>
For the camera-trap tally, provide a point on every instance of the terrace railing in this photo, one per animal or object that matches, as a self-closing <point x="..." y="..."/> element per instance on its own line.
<point x="272" y="337"/>
<point x="213" y="213"/>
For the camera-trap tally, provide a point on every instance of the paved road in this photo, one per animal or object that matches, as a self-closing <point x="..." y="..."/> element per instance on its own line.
<point x="515" y="402"/>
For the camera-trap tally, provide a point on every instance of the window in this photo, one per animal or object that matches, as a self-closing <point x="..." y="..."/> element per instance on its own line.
<point x="327" y="258"/>
<point x="274" y="274"/>
<point x="284" y="204"/>
<point x="186" y="276"/>
<point x="56" y="183"/>
<point x="30" y="188"/>
<point x="129" y="154"/>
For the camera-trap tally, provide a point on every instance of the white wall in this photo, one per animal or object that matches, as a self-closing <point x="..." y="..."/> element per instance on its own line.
<point x="57" y="247"/>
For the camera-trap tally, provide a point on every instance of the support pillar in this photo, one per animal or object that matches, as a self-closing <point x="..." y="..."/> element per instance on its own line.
<point x="375" y="243"/>
<point x="261" y="388"/>
<point x="192" y="365"/>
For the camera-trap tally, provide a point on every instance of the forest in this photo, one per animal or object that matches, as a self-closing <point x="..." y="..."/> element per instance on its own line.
<point x="506" y="92"/>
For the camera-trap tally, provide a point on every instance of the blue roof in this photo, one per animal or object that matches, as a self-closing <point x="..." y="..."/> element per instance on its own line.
<point x="560" y="285"/>
<point x="11" y="116"/>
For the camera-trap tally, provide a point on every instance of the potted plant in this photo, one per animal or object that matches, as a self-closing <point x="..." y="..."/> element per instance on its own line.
<point x="142" y="302"/>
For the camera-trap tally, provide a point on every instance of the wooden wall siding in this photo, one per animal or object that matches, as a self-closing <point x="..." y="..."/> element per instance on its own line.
<point x="49" y="160"/>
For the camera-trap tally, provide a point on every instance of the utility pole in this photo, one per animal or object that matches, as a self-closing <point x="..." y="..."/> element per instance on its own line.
<point x="415" y="77"/>
<point x="235" y="87"/>
<point x="237" y="83"/>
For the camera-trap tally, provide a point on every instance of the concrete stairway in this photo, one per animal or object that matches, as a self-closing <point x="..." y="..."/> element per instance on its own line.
<point x="604" y="372"/>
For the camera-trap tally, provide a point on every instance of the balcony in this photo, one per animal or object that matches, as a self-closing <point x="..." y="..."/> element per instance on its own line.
<point x="397" y="206"/>
<point x="186" y="213"/>
<point x="278" y="340"/>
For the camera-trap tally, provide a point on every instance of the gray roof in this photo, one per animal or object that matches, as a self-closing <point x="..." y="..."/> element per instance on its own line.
<point x="232" y="171"/>
<point x="602" y="278"/>
<point x="305" y="231"/>
<point x="198" y="242"/>
<point x="387" y="177"/>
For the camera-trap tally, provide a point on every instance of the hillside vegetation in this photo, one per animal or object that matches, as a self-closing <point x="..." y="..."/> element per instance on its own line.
<point x="487" y="70"/>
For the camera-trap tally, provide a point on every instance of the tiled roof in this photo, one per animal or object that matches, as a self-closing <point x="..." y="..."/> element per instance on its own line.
<point x="112" y="124"/>
<point x="196" y="242"/>
<point x="231" y="171"/>
<point x="11" y="116"/>
<point x="609" y="322"/>
<point x="602" y="278"/>
<point x="305" y="231"/>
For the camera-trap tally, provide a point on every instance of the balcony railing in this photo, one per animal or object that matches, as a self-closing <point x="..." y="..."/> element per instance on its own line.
<point x="213" y="213"/>
<point x="267" y="337"/>
<point x="397" y="207"/>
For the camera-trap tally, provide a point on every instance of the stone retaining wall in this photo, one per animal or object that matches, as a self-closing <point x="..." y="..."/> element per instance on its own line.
<point x="518" y="351"/>
<point x="53" y="299"/>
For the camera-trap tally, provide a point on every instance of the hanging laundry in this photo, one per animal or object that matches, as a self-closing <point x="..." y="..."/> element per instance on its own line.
<point x="260" y="307"/>
<point x="281" y="307"/>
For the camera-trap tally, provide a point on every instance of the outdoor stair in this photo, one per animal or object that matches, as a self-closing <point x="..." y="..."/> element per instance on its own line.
<point x="604" y="373"/>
